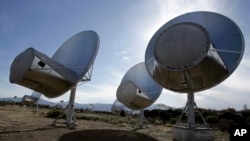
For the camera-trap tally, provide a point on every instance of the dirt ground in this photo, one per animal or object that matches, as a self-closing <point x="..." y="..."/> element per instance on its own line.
<point x="20" y="124"/>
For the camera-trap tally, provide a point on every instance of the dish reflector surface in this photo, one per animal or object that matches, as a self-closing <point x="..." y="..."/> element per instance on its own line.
<point x="55" y="76"/>
<point x="78" y="53"/>
<point x="137" y="89"/>
<point x="194" y="51"/>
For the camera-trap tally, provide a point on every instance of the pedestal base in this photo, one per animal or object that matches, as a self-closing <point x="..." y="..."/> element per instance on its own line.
<point x="182" y="133"/>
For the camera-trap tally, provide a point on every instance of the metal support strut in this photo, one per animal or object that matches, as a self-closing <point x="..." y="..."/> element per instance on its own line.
<point x="70" y="113"/>
<point x="190" y="110"/>
<point x="142" y="123"/>
<point x="69" y="110"/>
<point x="190" y="106"/>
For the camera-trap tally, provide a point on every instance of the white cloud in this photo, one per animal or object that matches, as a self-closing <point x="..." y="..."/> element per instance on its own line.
<point x="123" y="52"/>
<point x="173" y="99"/>
<point x="11" y="90"/>
<point x="123" y="55"/>
<point x="239" y="80"/>
<point x="103" y="93"/>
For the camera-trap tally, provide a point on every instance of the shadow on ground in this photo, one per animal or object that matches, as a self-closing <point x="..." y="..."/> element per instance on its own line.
<point x="105" y="135"/>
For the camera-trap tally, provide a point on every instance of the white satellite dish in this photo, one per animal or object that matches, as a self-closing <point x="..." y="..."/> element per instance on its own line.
<point x="194" y="51"/>
<point x="31" y="99"/>
<point x="78" y="53"/>
<point x="55" y="76"/>
<point x="138" y="90"/>
<point x="191" y="53"/>
<point x="117" y="107"/>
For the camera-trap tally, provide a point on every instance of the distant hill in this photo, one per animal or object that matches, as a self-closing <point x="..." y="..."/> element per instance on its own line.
<point x="19" y="99"/>
<point x="93" y="106"/>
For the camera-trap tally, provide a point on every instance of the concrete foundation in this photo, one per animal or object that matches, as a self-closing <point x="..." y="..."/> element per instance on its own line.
<point x="182" y="133"/>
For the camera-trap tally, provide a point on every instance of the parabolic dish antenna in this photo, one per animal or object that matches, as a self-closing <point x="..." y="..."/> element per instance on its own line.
<point x="117" y="107"/>
<point x="194" y="51"/>
<point x="31" y="99"/>
<point x="191" y="53"/>
<point x="137" y="89"/>
<point x="55" y="76"/>
<point x="80" y="51"/>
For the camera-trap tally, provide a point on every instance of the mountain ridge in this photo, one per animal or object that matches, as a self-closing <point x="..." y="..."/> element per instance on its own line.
<point x="85" y="106"/>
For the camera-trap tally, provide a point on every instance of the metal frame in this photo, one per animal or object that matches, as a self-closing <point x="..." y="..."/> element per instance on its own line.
<point x="142" y="122"/>
<point x="69" y="109"/>
<point x="88" y="75"/>
<point x="190" y="108"/>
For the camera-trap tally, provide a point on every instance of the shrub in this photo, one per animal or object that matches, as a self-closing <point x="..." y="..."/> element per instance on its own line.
<point x="224" y="124"/>
<point x="211" y="119"/>
<point x="245" y="113"/>
<point x="173" y="120"/>
<point x="54" y="113"/>
<point x="248" y="120"/>
<point x="158" y="122"/>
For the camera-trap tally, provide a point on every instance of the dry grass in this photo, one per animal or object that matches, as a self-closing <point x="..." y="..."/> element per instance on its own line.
<point x="17" y="123"/>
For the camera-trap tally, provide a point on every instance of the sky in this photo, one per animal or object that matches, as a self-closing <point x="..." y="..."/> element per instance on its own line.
<point x="124" y="29"/>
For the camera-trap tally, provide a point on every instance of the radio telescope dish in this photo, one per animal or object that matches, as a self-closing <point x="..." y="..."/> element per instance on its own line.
<point x="117" y="107"/>
<point x="194" y="51"/>
<point x="55" y="76"/>
<point x="191" y="53"/>
<point x="31" y="99"/>
<point x="78" y="53"/>
<point x="137" y="89"/>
